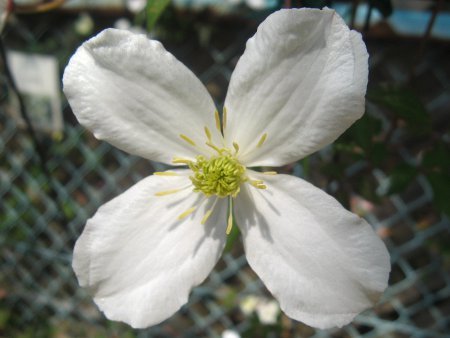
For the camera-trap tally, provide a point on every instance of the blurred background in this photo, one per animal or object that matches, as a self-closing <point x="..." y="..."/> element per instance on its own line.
<point x="391" y="167"/>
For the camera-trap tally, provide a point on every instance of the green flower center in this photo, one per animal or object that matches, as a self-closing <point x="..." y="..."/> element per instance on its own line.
<point x="219" y="175"/>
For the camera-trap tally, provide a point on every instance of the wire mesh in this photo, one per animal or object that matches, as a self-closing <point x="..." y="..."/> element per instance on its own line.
<point x="39" y="292"/>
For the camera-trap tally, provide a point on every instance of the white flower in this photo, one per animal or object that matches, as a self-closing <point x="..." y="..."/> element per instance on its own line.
<point x="248" y="304"/>
<point x="135" y="6"/>
<point x="300" y="83"/>
<point x="84" y="25"/>
<point x="267" y="311"/>
<point x="230" y="334"/>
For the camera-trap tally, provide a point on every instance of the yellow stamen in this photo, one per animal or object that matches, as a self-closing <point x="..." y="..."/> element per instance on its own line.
<point x="165" y="173"/>
<point x="258" y="184"/>
<point x="270" y="173"/>
<point x="209" y="144"/>
<point x="179" y="160"/>
<point x="167" y="192"/>
<point x="186" y="213"/>
<point x="187" y="139"/>
<point x="230" y="224"/>
<point x="208" y="134"/>
<point x="224" y="118"/>
<point x="230" y="218"/>
<point x="261" y="140"/>
<point x="216" y="116"/>
<point x="207" y="214"/>
<point x="236" y="147"/>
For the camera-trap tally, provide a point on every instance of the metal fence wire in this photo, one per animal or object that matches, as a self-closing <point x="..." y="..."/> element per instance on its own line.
<point x="40" y="219"/>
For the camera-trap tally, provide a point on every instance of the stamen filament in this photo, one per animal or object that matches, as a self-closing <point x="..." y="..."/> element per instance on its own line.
<point x="206" y="216"/>
<point x="236" y="147"/>
<point x="209" y="144"/>
<point x="165" y="173"/>
<point x="208" y="134"/>
<point x="261" y="140"/>
<point x="270" y="173"/>
<point x="179" y="160"/>
<point x="216" y="116"/>
<point x="188" y="140"/>
<point x="186" y="213"/>
<point x="230" y="218"/>
<point x="224" y="118"/>
<point x="258" y="184"/>
<point x="167" y="192"/>
<point x="208" y="212"/>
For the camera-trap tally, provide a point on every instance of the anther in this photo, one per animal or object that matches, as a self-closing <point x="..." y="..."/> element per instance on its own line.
<point x="236" y="147"/>
<point x="186" y="213"/>
<point x="165" y="173"/>
<point x="208" y="134"/>
<point x="187" y="139"/>
<point x="216" y="116"/>
<point x="261" y="140"/>
<point x="270" y="173"/>
<point x="230" y="218"/>
<point x="258" y="184"/>
<point x="224" y="118"/>
<point x="167" y="192"/>
<point x="209" y="144"/>
<point x="207" y="214"/>
<point x="179" y="160"/>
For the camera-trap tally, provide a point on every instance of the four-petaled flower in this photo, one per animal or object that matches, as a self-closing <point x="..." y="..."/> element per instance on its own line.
<point x="300" y="83"/>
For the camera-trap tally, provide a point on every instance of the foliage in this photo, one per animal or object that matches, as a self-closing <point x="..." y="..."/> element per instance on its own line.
<point x="154" y="9"/>
<point x="396" y="119"/>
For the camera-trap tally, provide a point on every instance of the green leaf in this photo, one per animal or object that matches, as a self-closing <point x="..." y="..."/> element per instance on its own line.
<point x="363" y="131"/>
<point x="366" y="187"/>
<point x="154" y="10"/>
<point x="438" y="158"/>
<point x="4" y="318"/>
<point x="305" y="166"/>
<point x="378" y="153"/>
<point x="404" y="104"/>
<point x="400" y="178"/>
<point x="440" y="183"/>
<point x="436" y="164"/>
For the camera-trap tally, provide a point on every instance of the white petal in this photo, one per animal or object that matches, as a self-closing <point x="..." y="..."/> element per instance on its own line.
<point x="131" y="92"/>
<point x="323" y="263"/>
<point x="139" y="261"/>
<point x="302" y="80"/>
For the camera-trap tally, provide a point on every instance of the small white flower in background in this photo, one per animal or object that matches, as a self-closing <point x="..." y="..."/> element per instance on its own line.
<point x="299" y="84"/>
<point x="230" y="334"/>
<point x="254" y="4"/>
<point x="267" y="311"/>
<point x="135" y="6"/>
<point x="125" y="24"/>
<point x="84" y="25"/>
<point x="248" y="304"/>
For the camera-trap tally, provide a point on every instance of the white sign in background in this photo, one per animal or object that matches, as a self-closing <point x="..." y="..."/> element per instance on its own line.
<point x="37" y="79"/>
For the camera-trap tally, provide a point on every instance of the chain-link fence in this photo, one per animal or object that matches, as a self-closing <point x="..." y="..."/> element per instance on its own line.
<point x="43" y="213"/>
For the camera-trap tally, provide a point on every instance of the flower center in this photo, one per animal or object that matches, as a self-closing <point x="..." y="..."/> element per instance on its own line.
<point x="220" y="175"/>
